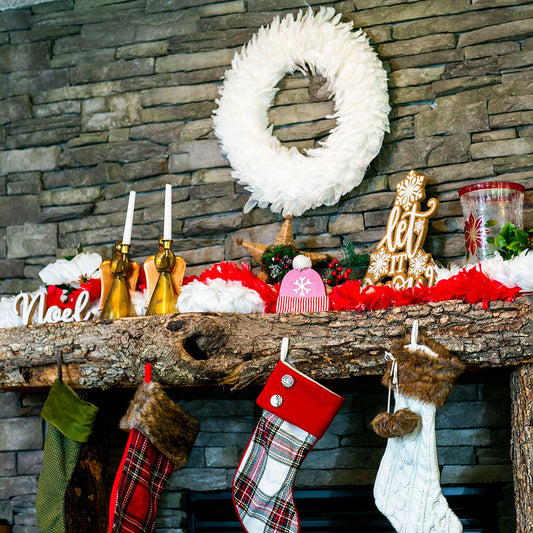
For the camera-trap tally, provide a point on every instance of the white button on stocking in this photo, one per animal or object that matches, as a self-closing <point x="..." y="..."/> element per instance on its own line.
<point x="287" y="381"/>
<point x="276" y="400"/>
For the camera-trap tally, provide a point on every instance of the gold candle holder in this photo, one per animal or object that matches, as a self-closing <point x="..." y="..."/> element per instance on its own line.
<point x="164" y="296"/>
<point x="118" y="301"/>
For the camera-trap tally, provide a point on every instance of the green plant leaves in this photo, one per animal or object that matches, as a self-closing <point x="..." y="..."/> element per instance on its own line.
<point x="511" y="241"/>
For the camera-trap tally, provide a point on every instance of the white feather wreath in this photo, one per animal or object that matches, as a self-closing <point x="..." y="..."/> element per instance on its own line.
<point x="289" y="180"/>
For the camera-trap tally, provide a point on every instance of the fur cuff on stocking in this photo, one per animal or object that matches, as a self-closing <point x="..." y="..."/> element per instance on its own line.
<point x="394" y="425"/>
<point x="421" y="375"/>
<point x="170" y="429"/>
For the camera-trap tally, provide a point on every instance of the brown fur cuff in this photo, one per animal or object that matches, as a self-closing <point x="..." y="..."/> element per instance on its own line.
<point x="170" y="429"/>
<point x="422" y="376"/>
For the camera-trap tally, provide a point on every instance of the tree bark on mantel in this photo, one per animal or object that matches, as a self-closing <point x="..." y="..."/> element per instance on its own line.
<point x="522" y="445"/>
<point x="200" y="349"/>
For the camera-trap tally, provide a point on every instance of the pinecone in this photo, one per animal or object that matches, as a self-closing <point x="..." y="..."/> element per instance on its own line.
<point x="275" y="272"/>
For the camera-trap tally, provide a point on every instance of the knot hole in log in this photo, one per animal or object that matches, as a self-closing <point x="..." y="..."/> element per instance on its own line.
<point x="194" y="346"/>
<point x="204" y="342"/>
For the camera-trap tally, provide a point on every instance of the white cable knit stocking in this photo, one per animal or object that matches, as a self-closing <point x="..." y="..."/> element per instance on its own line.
<point x="407" y="488"/>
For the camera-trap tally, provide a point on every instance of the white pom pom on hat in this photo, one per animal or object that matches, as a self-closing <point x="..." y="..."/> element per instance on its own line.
<point x="300" y="262"/>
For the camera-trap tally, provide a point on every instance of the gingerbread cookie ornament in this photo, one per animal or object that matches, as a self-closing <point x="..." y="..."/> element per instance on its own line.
<point x="399" y="259"/>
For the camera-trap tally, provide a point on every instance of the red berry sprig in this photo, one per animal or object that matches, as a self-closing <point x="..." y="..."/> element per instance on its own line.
<point x="337" y="275"/>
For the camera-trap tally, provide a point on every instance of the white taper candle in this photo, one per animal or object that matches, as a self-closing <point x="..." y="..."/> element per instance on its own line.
<point x="167" y="228"/>
<point x="126" y="239"/>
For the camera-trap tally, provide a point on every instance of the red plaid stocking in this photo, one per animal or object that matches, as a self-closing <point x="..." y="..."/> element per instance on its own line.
<point x="160" y="440"/>
<point x="296" y="412"/>
<point x="144" y="471"/>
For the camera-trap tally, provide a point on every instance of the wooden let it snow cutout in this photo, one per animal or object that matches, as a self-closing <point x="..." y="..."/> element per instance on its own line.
<point x="399" y="258"/>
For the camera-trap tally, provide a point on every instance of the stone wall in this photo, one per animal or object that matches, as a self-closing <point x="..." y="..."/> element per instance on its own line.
<point x="472" y="430"/>
<point x="100" y="97"/>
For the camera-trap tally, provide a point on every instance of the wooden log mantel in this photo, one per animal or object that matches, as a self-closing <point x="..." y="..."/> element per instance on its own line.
<point x="200" y="349"/>
<point x="241" y="350"/>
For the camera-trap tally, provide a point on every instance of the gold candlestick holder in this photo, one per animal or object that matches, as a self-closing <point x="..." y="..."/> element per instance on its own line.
<point x="170" y="269"/>
<point x="125" y="272"/>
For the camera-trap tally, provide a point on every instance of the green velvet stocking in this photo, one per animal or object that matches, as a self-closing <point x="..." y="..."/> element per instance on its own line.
<point x="70" y="422"/>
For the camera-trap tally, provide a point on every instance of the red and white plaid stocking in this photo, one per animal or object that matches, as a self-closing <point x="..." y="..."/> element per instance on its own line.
<point x="296" y="413"/>
<point x="160" y="440"/>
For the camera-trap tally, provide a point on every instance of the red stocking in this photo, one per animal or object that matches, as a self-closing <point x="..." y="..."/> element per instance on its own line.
<point x="160" y="440"/>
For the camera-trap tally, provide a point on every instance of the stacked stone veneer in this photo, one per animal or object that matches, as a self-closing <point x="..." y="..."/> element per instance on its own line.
<point x="472" y="432"/>
<point x="100" y="97"/>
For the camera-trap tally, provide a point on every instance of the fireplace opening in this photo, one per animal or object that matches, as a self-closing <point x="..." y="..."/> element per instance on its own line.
<point x="340" y="510"/>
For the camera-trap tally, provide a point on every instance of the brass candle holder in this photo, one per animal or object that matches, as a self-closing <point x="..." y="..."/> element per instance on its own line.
<point x="125" y="272"/>
<point x="164" y="295"/>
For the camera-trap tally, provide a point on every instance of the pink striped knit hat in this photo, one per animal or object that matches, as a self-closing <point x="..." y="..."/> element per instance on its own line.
<point x="302" y="289"/>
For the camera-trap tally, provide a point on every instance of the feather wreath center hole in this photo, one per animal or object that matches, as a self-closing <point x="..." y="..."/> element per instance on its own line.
<point x="301" y="110"/>
<point x="193" y="346"/>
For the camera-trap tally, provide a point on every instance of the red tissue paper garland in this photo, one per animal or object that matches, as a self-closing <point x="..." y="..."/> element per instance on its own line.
<point x="229" y="271"/>
<point x="470" y="285"/>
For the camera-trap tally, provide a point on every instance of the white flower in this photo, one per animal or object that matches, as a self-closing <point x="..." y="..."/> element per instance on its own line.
<point x="82" y="267"/>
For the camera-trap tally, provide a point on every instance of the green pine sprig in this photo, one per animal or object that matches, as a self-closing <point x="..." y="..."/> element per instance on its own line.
<point x="278" y="260"/>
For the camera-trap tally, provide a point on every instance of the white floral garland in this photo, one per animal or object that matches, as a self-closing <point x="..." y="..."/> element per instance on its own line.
<point x="290" y="181"/>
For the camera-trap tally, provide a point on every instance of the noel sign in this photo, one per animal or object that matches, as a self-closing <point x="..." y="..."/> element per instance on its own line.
<point x="399" y="260"/>
<point x="33" y="308"/>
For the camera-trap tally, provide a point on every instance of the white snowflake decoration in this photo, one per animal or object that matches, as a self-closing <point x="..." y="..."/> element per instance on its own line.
<point x="303" y="286"/>
<point x="379" y="263"/>
<point x="410" y="190"/>
<point x="418" y="264"/>
<point x="420" y="226"/>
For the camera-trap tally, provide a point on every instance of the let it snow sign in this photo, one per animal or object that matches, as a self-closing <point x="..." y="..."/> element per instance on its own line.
<point x="399" y="259"/>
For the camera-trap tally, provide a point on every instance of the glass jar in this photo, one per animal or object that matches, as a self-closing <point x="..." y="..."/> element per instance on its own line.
<point x="486" y="208"/>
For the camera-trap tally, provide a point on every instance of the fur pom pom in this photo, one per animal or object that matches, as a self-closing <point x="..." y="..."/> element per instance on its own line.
<point x="393" y="425"/>
<point x="171" y="429"/>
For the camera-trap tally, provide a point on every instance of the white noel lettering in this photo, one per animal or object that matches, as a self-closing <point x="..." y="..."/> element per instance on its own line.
<point x="32" y="309"/>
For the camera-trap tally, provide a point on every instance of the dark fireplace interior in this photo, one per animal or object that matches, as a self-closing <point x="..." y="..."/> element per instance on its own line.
<point x="338" y="510"/>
